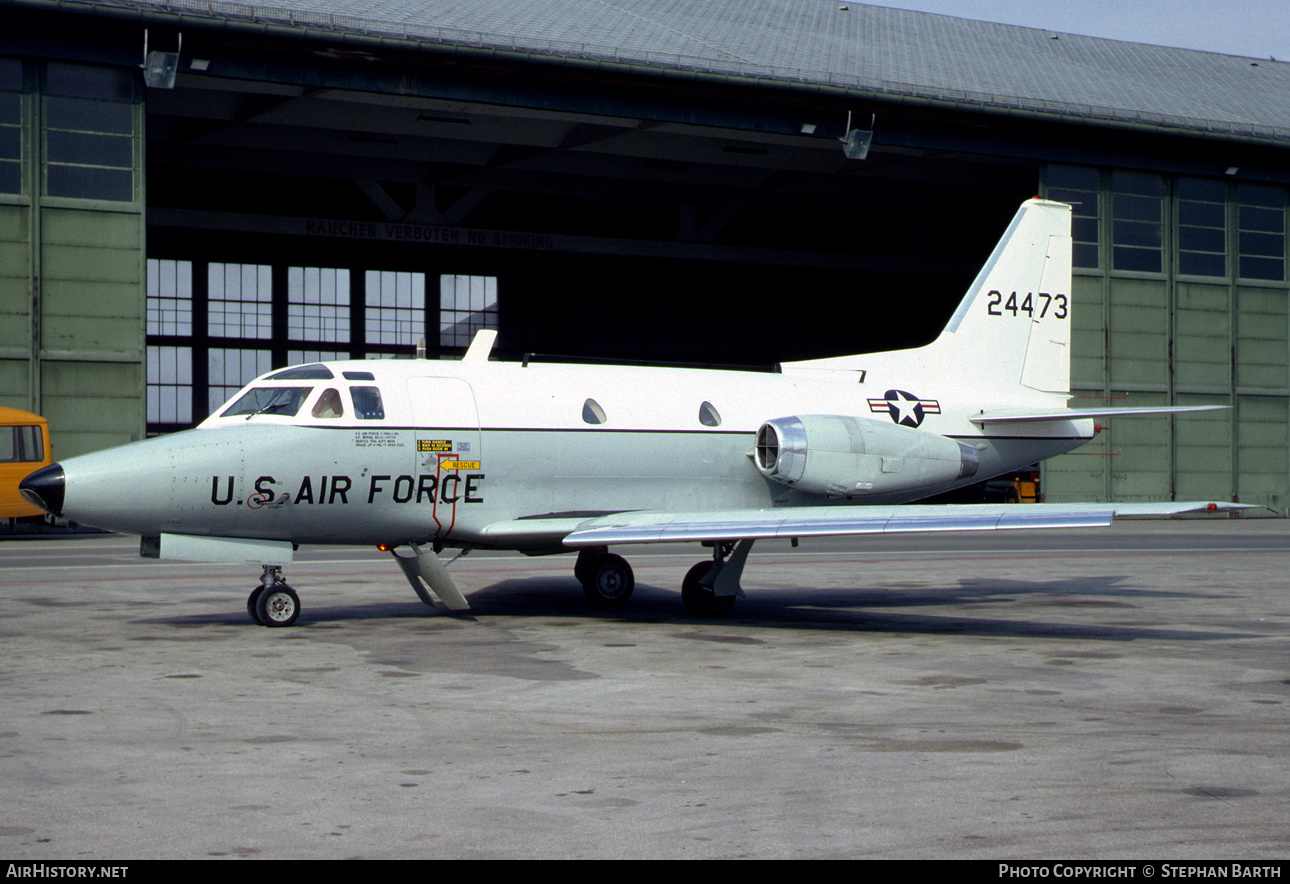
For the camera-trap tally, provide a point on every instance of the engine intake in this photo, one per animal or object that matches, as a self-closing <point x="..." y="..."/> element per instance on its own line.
<point x="843" y="456"/>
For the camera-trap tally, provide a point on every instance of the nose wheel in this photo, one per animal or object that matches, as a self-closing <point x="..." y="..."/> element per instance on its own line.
<point x="273" y="603"/>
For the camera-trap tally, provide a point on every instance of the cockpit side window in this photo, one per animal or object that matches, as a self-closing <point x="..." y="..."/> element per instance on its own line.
<point x="284" y="401"/>
<point x="312" y="372"/>
<point x="329" y="404"/>
<point x="367" y="403"/>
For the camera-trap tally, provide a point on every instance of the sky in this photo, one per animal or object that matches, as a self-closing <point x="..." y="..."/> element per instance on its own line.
<point x="1253" y="28"/>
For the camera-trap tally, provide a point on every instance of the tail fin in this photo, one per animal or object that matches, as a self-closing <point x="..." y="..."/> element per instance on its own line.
<point x="1012" y="330"/>
<point x="1013" y="327"/>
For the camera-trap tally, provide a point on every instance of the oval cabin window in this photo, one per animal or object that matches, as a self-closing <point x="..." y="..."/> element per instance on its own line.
<point x="592" y="413"/>
<point x="708" y="415"/>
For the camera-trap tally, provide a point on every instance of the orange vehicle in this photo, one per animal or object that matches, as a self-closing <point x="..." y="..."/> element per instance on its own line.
<point x="1021" y="487"/>
<point x="24" y="448"/>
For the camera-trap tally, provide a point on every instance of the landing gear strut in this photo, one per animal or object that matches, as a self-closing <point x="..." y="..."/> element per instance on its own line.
<point x="273" y="603"/>
<point x="710" y="588"/>
<point x="607" y="579"/>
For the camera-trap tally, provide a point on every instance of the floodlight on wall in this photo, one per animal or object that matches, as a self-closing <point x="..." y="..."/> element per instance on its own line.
<point x="159" y="68"/>
<point x="855" y="143"/>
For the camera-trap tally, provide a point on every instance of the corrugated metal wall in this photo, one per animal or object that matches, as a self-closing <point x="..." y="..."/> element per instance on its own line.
<point x="72" y="250"/>
<point x="1179" y="300"/>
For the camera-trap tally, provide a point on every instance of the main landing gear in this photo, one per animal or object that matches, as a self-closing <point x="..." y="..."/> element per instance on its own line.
<point x="273" y="603"/>
<point x="606" y="579"/>
<point x="709" y="589"/>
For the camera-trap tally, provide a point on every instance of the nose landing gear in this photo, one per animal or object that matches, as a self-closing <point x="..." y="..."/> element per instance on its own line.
<point x="273" y="603"/>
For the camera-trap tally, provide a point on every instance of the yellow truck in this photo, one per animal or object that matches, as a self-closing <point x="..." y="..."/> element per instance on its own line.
<point x="24" y="448"/>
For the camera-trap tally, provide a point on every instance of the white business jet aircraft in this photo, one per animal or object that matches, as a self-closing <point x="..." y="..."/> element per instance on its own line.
<point x="407" y="454"/>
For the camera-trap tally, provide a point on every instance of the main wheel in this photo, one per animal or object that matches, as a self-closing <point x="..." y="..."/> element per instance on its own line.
<point x="279" y="606"/>
<point x="701" y="601"/>
<point x="587" y="559"/>
<point x="608" y="581"/>
<point x="251" y="602"/>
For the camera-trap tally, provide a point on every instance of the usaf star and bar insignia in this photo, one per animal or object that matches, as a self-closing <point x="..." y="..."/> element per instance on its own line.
<point x="904" y="408"/>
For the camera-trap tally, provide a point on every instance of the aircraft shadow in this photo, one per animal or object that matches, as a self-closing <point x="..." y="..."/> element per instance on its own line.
<point x="1094" y="608"/>
<point x="1102" y="606"/>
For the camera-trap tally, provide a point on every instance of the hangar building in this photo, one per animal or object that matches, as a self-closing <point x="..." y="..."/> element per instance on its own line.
<point x="195" y="191"/>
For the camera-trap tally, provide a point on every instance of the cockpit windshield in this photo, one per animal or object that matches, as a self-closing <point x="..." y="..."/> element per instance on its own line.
<point x="285" y="401"/>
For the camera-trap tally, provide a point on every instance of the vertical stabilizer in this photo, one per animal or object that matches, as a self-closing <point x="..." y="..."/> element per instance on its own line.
<point x="1013" y="327"/>
<point x="1009" y="339"/>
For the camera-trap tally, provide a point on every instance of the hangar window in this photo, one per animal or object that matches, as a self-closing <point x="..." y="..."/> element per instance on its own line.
<point x="1078" y="185"/>
<point x="230" y="370"/>
<point x="367" y="403"/>
<point x="396" y="307"/>
<point x="170" y="385"/>
<point x="170" y="297"/>
<point x="10" y="125"/>
<point x="240" y="301"/>
<point x="1261" y="222"/>
<point x="300" y="357"/>
<point x="318" y="304"/>
<point x="89" y="132"/>
<point x="1137" y="228"/>
<point x="466" y="305"/>
<point x="1202" y="227"/>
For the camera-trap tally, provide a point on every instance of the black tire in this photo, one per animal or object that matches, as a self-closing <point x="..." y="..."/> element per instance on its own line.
<point x="701" y="601"/>
<point x="251" y="602"/>
<point x="279" y="606"/>
<point x="608" y="581"/>
<point x="586" y="562"/>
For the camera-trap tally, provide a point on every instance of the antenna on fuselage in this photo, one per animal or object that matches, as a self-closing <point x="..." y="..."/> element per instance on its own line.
<point x="481" y="346"/>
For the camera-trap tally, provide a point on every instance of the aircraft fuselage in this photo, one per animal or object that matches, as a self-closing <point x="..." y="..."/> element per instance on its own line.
<point x="459" y="447"/>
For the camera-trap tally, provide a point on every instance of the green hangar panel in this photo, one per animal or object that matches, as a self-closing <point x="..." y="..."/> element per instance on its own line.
<point x="192" y="193"/>
<point x="72" y="249"/>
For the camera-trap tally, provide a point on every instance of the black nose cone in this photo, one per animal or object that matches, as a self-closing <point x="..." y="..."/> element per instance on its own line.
<point x="44" y="488"/>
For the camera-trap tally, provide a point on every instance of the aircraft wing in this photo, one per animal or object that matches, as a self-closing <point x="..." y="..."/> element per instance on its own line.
<point x="823" y="521"/>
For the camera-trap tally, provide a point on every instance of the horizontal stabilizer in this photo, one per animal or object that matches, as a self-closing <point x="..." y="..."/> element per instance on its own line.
<point x="1015" y="415"/>
<point x="828" y="521"/>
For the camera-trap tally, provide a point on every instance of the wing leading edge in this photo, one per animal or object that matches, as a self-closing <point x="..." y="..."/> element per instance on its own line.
<point x="650" y="527"/>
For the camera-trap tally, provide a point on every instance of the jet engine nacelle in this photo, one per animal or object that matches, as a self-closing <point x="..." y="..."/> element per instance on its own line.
<point x="843" y="456"/>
